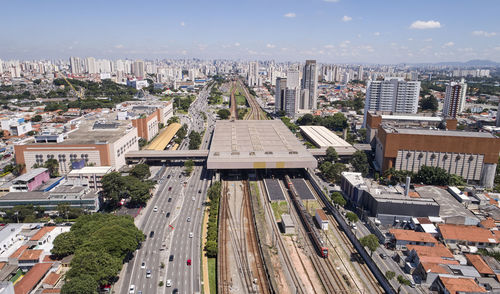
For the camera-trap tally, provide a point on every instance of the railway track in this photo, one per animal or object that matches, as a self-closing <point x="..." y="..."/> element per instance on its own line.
<point x="299" y="286"/>
<point x="224" y="282"/>
<point x="255" y="112"/>
<point x="376" y="288"/>
<point x="233" y="108"/>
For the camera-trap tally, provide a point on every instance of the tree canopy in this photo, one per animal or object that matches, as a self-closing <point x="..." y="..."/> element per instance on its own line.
<point x="224" y="113"/>
<point x="336" y="122"/>
<point x="370" y="241"/>
<point x="194" y="140"/>
<point x="331" y="154"/>
<point x="140" y="171"/>
<point x="359" y="162"/>
<point x="338" y="199"/>
<point x="429" y="103"/>
<point x="332" y="172"/>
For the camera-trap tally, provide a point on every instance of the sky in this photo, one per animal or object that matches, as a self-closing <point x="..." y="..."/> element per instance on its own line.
<point x="330" y="31"/>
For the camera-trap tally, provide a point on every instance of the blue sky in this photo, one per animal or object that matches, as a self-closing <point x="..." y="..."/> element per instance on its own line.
<point x="337" y="31"/>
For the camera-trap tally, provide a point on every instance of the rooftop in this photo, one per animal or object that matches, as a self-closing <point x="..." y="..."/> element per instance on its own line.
<point x="466" y="233"/>
<point x="409" y="235"/>
<point x="455" y="285"/>
<point x="478" y="262"/>
<point x="30" y="254"/>
<point x="91" y="170"/>
<point x="439" y="250"/>
<point x="256" y="144"/>
<point x="32" y="278"/>
<point x="30" y="175"/>
<point x="42" y="232"/>
<point x="323" y="137"/>
<point x="38" y="195"/>
<point x="427" y="132"/>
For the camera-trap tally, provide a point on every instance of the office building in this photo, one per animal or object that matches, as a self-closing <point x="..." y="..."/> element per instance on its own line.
<point x="471" y="155"/>
<point x="286" y="98"/>
<point x="360" y="73"/>
<point x="253" y="74"/>
<point x="454" y="99"/>
<point x="91" y="65"/>
<point x="308" y="99"/>
<point x="293" y="79"/>
<point x="76" y="65"/>
<point x="393" y="95"/>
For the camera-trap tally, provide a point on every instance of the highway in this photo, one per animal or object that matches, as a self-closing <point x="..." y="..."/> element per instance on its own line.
<point x="179" y="197"/>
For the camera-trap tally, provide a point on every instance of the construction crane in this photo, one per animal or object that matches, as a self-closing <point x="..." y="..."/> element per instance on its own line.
<point x="79" y="94"/>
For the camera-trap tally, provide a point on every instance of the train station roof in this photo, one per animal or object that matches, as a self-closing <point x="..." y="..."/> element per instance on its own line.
<point x="256" y="144"/>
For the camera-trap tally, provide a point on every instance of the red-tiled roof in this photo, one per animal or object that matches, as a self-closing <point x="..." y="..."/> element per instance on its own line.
<point x="39" y="235"/>
<point x="454" y="285"/>
<point x="479" y="264"/>
<point x="488" y="223"/>
<point x="408" y="235"/>
<point x="466" y="233"/>
<point x="430" y="267"/>
<point x="29" y="254"/>
<point x="439" y="250"/>
<point x="32" y="278"/>
<point x="50" y="291"/>
<point x="52" y="279"/>
<point x="19" y="251"/>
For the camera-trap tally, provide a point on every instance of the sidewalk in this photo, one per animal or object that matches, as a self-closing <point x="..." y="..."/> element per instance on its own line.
<point x="204" y="259"/>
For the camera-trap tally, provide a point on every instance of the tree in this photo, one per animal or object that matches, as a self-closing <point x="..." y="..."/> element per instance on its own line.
<point x="173" y="119"/>
<point x="194" y="140"/>
<point x="36" y="118"/>
<point x="332" y="172"/>
<point x="84" y="284"/>
<point x="402" y="281"/>
<point x="370" y="241"/>
<point x="18" y="169"/>
<point x="338" y="199"/>
<point x="390" y="275"/>
<point x="63" y="209"/>
<point x="211" y="248"/>
<point x="188" y="165"/>
<point x="140" y="171"/>
<point x="359" y="162"/>
<point x="65" y="245"/>
<point x="429" y="103"/>
<point x="112" y="186"/>
<point x="98" y="264"/>
<point x="137" y="190"/>
<point x="224" y="113"/>
<point x="351" y="216"/>
<point x="142" y="142"/>
<point x="2" y="133"/>
<point x="331" y="154"/>
<point x="53" y="166"/>
<point x="433" y="175"/>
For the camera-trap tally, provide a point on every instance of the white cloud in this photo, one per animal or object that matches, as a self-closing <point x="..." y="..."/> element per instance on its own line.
<point x="251" y="52"/>
<point x="376" y="34"/>
<point x="449" y="44"/>
<point x="237" y="44"/>
<point x="184" y="52"/>
<point x="497" y="48"/>
<point x="270" y="46"/>
<point x="119" y="46"/>
<point x="183" y="23"/>
<point x="329" y="46"/>
<point x="346" y="18"/>
<point x="344" y="44"/>
<point x="422" y="25"/>
<point x="410" y="39"/>
<point x="290" y="15"/>
<point x="331" y="1"/>
<point x="428" y="40"/>
<point x="484" y="34"/>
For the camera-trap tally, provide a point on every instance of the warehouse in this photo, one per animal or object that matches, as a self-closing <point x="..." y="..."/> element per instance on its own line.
<point x="324" y="138"/>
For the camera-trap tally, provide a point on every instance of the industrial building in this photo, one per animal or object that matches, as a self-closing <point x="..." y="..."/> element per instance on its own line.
<point x="89" y="176"/>
<point x="471" y="155"/>
<point x="100" y="140"/>
<point x="255" y="144"/>
<point x="146" y="116"/>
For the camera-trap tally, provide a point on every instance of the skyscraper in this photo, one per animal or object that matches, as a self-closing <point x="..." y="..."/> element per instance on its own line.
<point x="286" y="98"/>
<point x="91" y="67"/>
<point x="310" y="83"/>
<point x="360" y="73"/>
<point x="454" y="99"/>
<point x="138" y="69"/>
<point x="393" y="94"/>
<point x="76" y="65"/>
<point x="253" y="74"/>
<point x="1" y="66"/>
<point x="293" y="79"/>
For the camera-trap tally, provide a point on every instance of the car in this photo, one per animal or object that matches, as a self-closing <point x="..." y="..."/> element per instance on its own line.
<point x="193" y="198"/>
<point x="168" y="214"/>
<point x="155" y="209"/>
<point x="188" y="262"/>
<point x="180" y="176"/>
<point x="170" y="188"/>
<point x="148" y="274"/>
<point x="132" y="289"/>
<point x="188" y="219"/>
<point x="175" y="291"/>
<point x="190" y="234"/>
<point x="199" y="191"/>
<point x="383" y="255"/>
<point x="168" y="177"/>
<point x="170" y="199"/>
<point x="139" y="292"/>
<point x="171" y="258"/>
<point x="151" y="234"/>
<point x="143" y="265"/>
<point x="169" y="283"/>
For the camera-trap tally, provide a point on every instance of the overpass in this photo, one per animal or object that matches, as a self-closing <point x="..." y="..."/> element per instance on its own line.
<point x="158" y="155"/>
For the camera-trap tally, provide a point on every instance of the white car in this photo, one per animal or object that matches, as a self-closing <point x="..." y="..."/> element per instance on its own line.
<point x="155" y="209"/>
<point x="191" y="235"/>
<point x="148" y="274"/>
<point x="169" y="283"/>
<point x="132" y="289"/>
<point x="143" y="265"/>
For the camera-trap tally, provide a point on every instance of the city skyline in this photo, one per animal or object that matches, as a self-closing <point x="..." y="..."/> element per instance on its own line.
<point x="329" y="31"/>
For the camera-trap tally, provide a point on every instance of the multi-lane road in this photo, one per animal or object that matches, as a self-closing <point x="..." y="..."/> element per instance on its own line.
<point x="175" y="238"/>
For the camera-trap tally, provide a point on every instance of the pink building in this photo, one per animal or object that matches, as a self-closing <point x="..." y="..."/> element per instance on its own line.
<point x="30" y="180"/>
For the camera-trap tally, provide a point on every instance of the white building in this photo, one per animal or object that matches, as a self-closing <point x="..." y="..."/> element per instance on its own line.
<point x="454" y="99"/>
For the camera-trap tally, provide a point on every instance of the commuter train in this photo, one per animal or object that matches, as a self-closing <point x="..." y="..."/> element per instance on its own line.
<point x="307" y="220"/>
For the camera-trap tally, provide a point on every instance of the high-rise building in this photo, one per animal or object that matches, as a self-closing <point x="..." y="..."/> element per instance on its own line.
<point x="286" y="98"/>
<point x="293" y="79"/>
<point x="76" y="65"/>
<point x="1" y="66"/>
<point x="310" y="83"/>
<point x="91" y="67"/>
<point x="393" y="94"/>
<point x="360" y="73"/>
<point x="138" y="69"/>
<point x="454" y="99"/>
<point x="279" y="95"/>
<point x="253" y="74"/>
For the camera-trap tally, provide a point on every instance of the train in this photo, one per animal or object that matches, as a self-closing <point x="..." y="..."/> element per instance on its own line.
<point x="307" y="220"/>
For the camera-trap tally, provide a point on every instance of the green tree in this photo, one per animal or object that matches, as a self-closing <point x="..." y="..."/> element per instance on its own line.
<point x="63" y="209"/>
<point x="112" y="187"/>
<point x="331" y="154"/>
<point x="223" y="113"/>
<point x="18" y="169"/>
<point x="140" y="171"/>
<point x="83" y="284"/>
<point x="173" y="119"/>
<point x="338" y="199"/>
<point x="142" y="142"/>
<point x="433" y="175"/>
<point x="429" y="103"/>
<point x="359" y="162"/>
<point x="36" y="118"/>
<point x="98" y="264"/>
<point x="188" y="166"/>
<point x="390" y="275"/>
<point x="370" y="241"/>
<point x="351" y="216"/>
<point x="53" y="166"/>
<point x="211" y="248"/>
<point x="402" y="281"/>
<point x="194" y="140"/>
<point x="65" y="245"/>
<point x="137" y="190"/>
